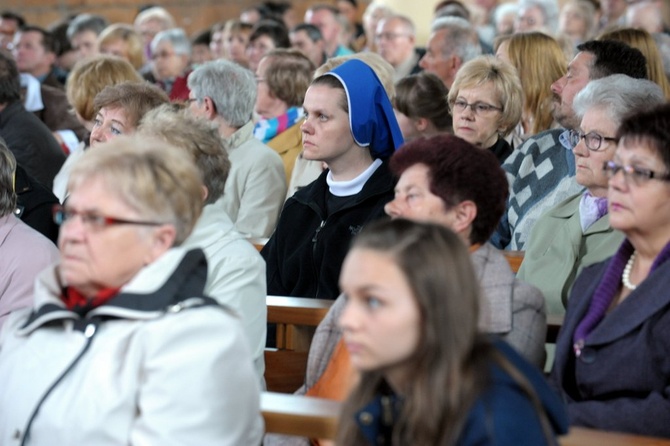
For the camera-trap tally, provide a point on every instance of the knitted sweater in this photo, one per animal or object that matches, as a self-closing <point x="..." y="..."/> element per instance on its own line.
<point x="541" y="175"/>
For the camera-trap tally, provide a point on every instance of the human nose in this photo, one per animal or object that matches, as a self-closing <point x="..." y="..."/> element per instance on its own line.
<point x="557" y="86"/>
<point x="392" y="208"/>
<point x="306" y="126"/>
<point x="98" y="135"/>
<point x="580" y="149"/>
<point x="348" y="318"/>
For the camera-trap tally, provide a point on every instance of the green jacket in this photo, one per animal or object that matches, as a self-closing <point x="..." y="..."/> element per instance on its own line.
<point x="557" y="251"/>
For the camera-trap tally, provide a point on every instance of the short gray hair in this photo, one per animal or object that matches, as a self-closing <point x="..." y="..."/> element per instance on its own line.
<point x="177" y="37"/>
<point x="461" y="38"/>
<point x="231" y="88"/>
<point x="549" y="9"/>
<point x="86" y="22"/>
<point x="663" y="43"/>
<point x="619" y="95"/>
<point x="7" y="169"/>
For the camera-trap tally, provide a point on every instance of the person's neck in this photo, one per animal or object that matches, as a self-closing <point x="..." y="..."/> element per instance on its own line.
<point x="40" y="73"/>
<point x="331" y="48"/>
<point x="226" y="130"/>
<point x="3" y="107"/>
<point x="346" y="169"/>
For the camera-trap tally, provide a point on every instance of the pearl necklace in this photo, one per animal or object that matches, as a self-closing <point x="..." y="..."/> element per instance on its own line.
<point x="625" y="277"/>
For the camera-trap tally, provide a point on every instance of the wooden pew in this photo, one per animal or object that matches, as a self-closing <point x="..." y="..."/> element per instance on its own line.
<point x="317" y="418"/>
<point x="296" y="319"/>
<point x="514" y="258"/>
<point x="299" y="415"/>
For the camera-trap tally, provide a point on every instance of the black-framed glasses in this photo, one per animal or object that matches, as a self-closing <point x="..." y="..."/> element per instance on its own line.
<point x="637" y="175"/>
<point x="93" y="221"/>
<point x="478" y="108"/>
<point x="592" y="140"/>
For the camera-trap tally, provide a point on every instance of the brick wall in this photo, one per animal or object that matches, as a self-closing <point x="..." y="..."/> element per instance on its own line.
<point x="192" y="15"/>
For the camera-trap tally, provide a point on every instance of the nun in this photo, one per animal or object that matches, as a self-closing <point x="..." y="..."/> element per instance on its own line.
<point x="350" y="127"/>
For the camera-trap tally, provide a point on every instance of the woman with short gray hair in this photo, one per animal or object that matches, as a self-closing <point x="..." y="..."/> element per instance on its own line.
<point x="576" y="232"/>
<point x="171" y="56"/>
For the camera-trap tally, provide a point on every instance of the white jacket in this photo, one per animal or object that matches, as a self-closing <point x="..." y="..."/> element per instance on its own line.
<point x="235" y="274"/>
<point x="155" y="365"/>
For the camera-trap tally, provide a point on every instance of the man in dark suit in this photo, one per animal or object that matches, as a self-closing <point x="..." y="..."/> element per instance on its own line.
<point x="27" y="137"/>
<point x="35" y="53"/>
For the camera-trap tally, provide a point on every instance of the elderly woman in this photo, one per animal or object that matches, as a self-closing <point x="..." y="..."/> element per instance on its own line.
<point x="486" y="101"/>
<point x="427" y="375"/>
<point x="350" y="126"/>
<point x="282" y="78"/>
<point x="119" y="109"/>
<point x="421" y="106"/>
<point x="171" y="55"/>
<point x="88" y="78"/>
<point x="235" y="269"/>
<point x="612" y="363"/>
<point x="266" y="36"/>
<point x="121" y="40"/>
<point x="24" y="252"/>
<point x="539" y="61"/>
<point x="537" y="15"/>
<point x="576" y="232"/>
<point x="120" y="340"/>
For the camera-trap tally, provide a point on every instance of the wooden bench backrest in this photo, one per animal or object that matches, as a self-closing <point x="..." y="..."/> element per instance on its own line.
<point x="317" y="418"/>
<point x="296" y="319"/>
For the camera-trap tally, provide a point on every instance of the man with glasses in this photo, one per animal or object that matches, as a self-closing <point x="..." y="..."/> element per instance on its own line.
<point x="395" y="42"/>
<point x="541" y="171"/>
<point x="576" y="232"/>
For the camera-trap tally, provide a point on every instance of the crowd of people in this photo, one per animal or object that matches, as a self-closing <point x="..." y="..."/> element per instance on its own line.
<point x="139" y="166"/>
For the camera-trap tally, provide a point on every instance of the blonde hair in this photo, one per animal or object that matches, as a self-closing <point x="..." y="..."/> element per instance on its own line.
<point x="156" y="179"/>
<point x="198" y="137"/>
<point x="484" y="69"/>
<point x="127" y="34"/>
<point x="643" y="41"/>
<point x="539" y="61"/>
<point x="382" y="68"/>
<point x="90" y="76"/>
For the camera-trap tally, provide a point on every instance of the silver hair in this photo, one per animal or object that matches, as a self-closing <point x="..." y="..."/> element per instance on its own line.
<point x="461" y="39"/>
<point x="619" y="95"/>
<point x="177" y="37"/>
<point x="231" y="87"/>
<point x="549" y="9"/>
<point x="504" y="9"/>
<point x="86" y="22"/>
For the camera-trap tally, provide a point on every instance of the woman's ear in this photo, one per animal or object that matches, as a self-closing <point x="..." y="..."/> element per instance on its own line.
<point x="162" y="239"/>
<point x="421" y="124"/>
<point x="465" y="213"/>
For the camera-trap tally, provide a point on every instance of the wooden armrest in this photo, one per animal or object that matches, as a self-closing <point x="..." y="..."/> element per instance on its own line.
<point x="299" y="415"/>
<point x="297" y="310"/>
<point x="514" y="258"/>
<point x="258" y="242"/>
<point x="581" y="436"/>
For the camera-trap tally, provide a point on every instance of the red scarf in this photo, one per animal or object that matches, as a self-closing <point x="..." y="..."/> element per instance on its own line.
<point x="74" y="299"/>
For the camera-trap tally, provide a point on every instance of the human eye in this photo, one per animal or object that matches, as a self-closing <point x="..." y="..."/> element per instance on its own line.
<point x="322" y="117"/>
<point x="481" y="107"/>
<point x="460" y="104"/>
<point x="593" y="140"/>
<point x="116" y="130"/>
<point x="93" y="220"/>
<point x="372" y="302"/>
<point x="640" y="174"/>
<point x="97" y="122"/>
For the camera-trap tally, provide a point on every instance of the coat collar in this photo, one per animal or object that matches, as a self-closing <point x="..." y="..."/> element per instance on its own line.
<point x="570" y="207"/>
<point x="168" y="284"/>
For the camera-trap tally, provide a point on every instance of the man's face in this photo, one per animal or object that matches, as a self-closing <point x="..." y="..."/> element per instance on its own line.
<point x="85" y="43"/>
<point x="8" y="29"/>
<point x="326" y="22"/>
<point x="434" y="61"/>
<point x="394" y="40"/>
<point x="30" y="55"/>
<point x="314" y="50"/>
<point x="566" y="88"/>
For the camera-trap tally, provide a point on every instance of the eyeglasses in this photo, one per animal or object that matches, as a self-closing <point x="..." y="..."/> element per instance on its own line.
<point x="389" y="36"/>
<point x="592" y="140"/>
<point x="478" y="108"/>
<point x="93" y="221"/>
<point x="638" y="175"/>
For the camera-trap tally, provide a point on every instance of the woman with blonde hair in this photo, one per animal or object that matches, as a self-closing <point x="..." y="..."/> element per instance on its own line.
<point x="121" y="39"/>
<point x="486" y="102"/>
<point x="643" y="41"/>
<point x="539" y="61"/>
